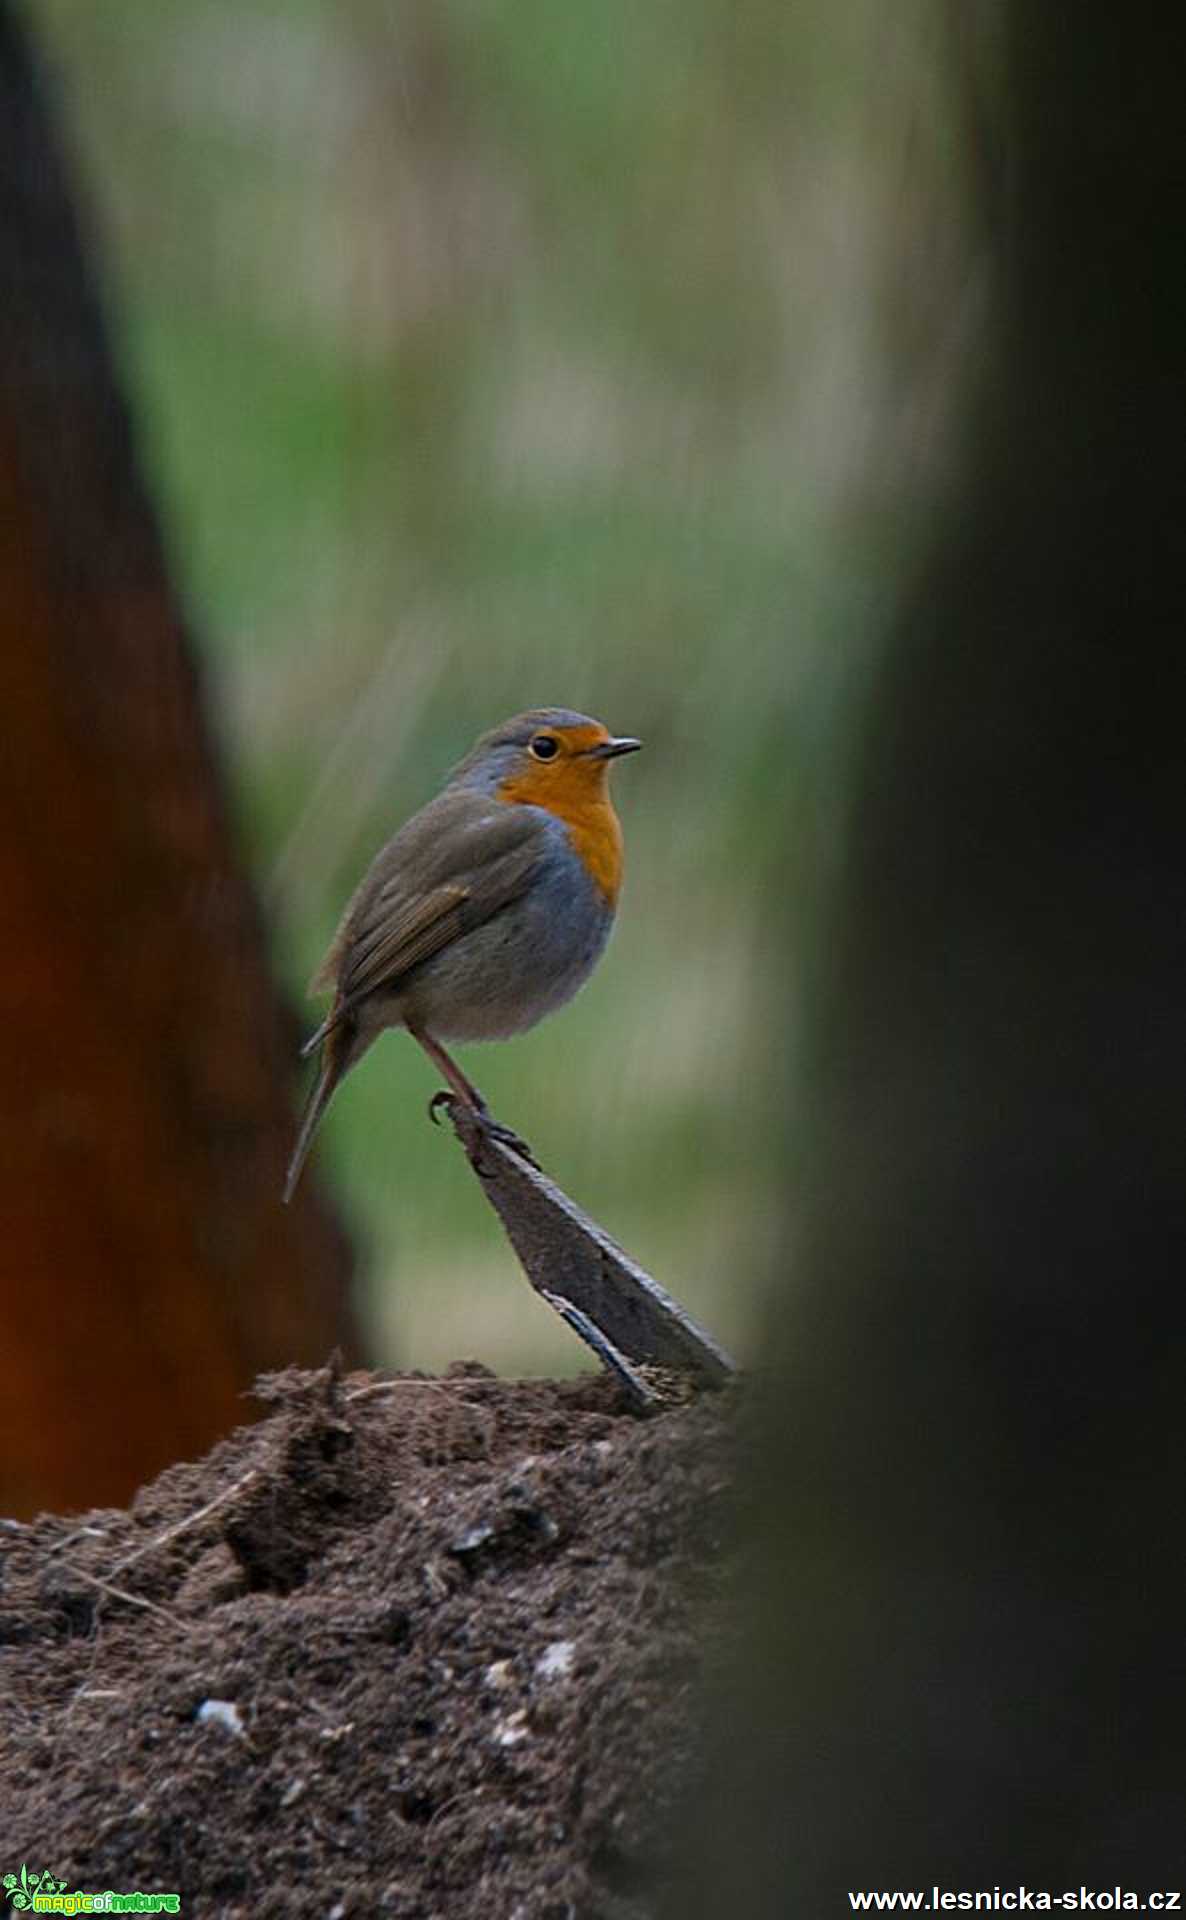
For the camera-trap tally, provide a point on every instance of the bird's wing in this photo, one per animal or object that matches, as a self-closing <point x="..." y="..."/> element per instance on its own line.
<point x="454" y="865"/>
<point x="393" y="943"/>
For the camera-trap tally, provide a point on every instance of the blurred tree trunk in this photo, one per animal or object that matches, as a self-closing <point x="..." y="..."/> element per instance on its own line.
<point x="148" y="1269"/>
<point x="966" y="1664"/>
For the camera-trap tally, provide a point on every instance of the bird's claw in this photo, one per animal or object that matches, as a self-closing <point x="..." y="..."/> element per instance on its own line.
<point x="487" y="1126"/>
<point x="507" y="1137"/>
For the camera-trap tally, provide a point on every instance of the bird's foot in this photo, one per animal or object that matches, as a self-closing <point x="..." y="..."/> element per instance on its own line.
<point x="507" y="1137"/>
<point x="487" y="1126"/>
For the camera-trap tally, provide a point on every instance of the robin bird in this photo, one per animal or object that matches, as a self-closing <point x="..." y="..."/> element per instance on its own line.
<point x="485" y="912"/>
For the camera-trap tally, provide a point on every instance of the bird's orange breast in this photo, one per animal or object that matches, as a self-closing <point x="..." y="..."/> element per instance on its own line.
<point x="584" y="805"/>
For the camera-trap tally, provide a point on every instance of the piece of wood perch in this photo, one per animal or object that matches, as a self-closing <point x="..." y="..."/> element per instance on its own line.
<point x="623" y="1315"/>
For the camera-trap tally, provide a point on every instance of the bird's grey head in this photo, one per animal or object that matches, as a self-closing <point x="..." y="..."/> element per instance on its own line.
<point x="499" y="754"/>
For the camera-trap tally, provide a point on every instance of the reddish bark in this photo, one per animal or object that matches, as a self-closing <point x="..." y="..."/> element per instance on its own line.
<point x="147" y="1268"/>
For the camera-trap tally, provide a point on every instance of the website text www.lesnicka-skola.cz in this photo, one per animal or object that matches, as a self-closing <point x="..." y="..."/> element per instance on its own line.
<point x="1019" y="1900"/>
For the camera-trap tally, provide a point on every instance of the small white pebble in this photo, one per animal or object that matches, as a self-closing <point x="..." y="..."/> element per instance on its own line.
<point x="499" y="1674"/>
<point x="555" y="1662"/>
<point x="221" y="1713"/>
<point x="509" y="1732"/>
<point x="436" y="1585"/>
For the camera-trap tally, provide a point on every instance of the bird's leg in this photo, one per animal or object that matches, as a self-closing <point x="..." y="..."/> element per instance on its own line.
<point x="464" y="1090"/>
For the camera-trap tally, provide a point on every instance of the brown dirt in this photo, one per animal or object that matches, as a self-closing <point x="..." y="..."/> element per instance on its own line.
<point x="460" y="1621"/>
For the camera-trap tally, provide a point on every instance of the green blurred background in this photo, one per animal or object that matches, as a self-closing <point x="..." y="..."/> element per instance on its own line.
<point x="496" y="355"/>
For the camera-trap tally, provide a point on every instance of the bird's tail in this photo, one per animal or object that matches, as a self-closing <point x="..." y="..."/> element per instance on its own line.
<point x="319" y="1099"/>
<point x="339" y="1051"/>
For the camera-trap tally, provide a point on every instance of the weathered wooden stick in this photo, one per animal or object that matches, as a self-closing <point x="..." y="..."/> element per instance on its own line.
<point x="571" y="1262"/>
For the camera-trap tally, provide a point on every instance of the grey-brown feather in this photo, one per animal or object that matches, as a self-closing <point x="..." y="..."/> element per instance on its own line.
<point x="455" y="864"/>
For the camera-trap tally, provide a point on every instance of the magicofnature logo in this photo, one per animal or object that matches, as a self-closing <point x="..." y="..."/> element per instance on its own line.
<point x="43" y="1893"/>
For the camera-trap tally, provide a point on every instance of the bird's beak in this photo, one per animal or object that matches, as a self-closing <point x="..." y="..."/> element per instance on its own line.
<point x="610" y="749"/>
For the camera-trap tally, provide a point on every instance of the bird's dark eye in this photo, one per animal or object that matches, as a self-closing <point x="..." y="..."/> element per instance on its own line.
<point x="545" y="746"/>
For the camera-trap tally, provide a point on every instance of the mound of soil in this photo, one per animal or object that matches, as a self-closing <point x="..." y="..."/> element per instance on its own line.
<point x="415" y="1647"/>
